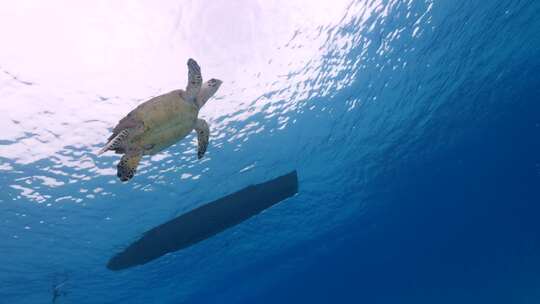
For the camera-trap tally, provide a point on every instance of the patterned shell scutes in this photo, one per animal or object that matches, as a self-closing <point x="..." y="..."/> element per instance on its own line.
<point x="167" y="119"/>
<point x="165" y="110"/>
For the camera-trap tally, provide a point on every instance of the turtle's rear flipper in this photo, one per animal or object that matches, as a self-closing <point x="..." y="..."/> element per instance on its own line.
<point x="127" y="166"/>
<point x="115" y="143"/>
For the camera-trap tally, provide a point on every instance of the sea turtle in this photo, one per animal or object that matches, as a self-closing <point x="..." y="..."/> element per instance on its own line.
<point x="162" y="121"/>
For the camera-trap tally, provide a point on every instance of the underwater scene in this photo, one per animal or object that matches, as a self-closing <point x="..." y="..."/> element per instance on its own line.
<point x="283" y="151"/>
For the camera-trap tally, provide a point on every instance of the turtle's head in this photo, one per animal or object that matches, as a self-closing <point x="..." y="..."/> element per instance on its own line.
<point x="208" y="89"/>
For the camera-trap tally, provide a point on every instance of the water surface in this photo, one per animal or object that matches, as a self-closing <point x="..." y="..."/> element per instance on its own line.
<point x="413" y="126"/>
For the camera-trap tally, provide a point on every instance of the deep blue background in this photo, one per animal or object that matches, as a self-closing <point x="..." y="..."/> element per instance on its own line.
<point x="455" y="221"/>
<point x="459" y="226"/>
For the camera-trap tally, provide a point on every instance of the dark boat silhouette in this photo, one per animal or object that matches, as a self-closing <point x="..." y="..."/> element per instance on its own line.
<point x="206" y="221"/>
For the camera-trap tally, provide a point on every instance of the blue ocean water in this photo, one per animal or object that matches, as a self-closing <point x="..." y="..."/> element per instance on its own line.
<point x="413" y="126"/>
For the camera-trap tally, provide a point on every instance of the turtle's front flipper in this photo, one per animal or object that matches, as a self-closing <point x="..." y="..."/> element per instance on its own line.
<point x="128" y="165"/>
<point x="203" y="133"/>
<point x="194" y="80"/>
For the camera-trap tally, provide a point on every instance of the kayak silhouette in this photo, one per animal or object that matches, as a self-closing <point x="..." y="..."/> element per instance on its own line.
<point x="205" y="221"/>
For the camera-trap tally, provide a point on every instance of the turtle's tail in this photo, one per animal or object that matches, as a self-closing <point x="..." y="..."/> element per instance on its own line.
<point x="116" y="142"/>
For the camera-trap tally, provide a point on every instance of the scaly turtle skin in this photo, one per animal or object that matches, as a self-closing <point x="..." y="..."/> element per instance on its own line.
<point x="161" y="122"/>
